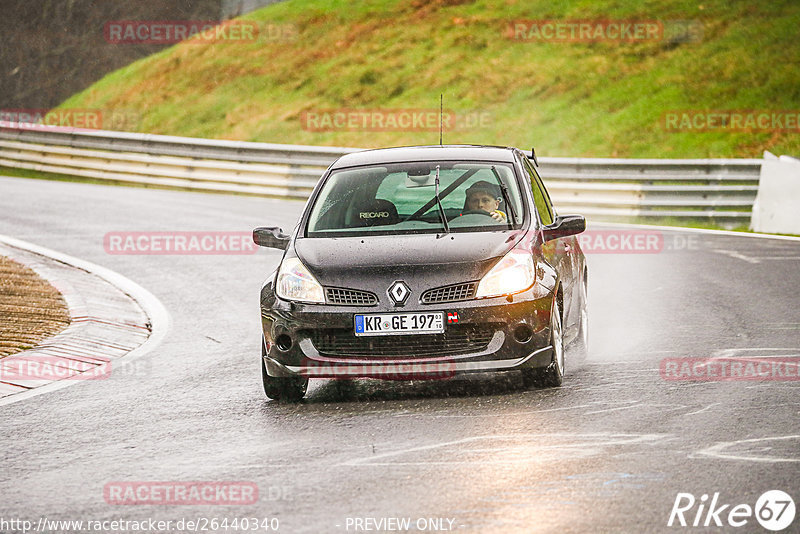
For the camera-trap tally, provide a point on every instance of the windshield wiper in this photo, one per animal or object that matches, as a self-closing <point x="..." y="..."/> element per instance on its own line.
<point x="439" y="203"/>
<point x="504" y="190"/>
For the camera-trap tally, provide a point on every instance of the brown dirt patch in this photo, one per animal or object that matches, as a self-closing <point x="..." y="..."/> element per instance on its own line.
<point x="31" y="310"/>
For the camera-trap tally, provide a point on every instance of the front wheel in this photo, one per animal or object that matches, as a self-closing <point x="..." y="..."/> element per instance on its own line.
<point x="280" y="388"/>
<point x="552" y="375"/>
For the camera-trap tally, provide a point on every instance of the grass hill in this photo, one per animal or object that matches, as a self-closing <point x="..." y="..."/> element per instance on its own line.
<point x="606" y="98"/>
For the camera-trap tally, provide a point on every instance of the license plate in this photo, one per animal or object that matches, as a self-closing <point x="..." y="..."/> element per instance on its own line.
<point x="384" y="324"/>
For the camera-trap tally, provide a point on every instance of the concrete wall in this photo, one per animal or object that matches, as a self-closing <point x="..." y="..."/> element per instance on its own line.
<point x="777" y="204"/>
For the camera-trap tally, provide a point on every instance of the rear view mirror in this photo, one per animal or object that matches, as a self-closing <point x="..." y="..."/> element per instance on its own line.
<point x="563" y="226"/>
<point x="271" y="237"/>
<point x="422" y="177"/>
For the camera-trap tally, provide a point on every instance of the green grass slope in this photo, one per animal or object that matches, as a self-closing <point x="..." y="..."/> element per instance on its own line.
<point x="566" y="98"/>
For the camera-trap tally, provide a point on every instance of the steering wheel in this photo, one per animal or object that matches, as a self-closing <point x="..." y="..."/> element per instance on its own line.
<point x="476" y="212"/>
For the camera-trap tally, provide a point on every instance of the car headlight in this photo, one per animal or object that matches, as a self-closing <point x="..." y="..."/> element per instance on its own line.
<point x="512" y="274"/>
<point x="295" y="282"/>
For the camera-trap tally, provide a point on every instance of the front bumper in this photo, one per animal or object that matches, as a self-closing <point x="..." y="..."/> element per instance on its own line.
<point x="490" y="335"/>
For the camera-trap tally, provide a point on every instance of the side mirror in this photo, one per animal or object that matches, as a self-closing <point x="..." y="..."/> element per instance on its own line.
<point x="271" y="237"/>
<point x="563" y="226"/>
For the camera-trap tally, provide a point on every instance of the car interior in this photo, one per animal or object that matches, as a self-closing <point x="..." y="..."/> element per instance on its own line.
<point x="378" y="197"/>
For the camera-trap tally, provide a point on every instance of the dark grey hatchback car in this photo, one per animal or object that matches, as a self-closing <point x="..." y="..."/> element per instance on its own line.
<point x="422" y="263"/>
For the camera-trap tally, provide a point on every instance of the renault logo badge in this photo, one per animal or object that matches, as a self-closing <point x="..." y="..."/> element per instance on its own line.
<point x="399" y="293"/>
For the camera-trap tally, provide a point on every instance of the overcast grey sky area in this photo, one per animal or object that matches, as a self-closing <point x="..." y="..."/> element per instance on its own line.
<point x="52" y="50"/>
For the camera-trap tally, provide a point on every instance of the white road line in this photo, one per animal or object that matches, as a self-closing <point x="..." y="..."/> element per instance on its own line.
<point x="704" y="409"/>
<point x="662" y="407"/>
<point x="493" y="415"/>
<point x="737" y="255"/>
<point x="774" y="385"/>
<point x="697" y="384"/>
<point x="614" y="409"/>
<point x="718" y="450"/>
<point x="591" y="440"/>
<point x="624" y="354"/>
<point x="783" y="352"/>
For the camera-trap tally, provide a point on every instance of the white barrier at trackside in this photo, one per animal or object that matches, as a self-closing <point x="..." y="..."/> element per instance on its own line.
<point x="777" y="205"/>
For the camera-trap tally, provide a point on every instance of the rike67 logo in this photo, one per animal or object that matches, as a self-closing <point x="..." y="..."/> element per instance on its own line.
<point x="774" y="510"/>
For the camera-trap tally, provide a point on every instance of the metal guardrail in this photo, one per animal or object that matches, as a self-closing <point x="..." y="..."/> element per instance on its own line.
<point x="722" y="190"/>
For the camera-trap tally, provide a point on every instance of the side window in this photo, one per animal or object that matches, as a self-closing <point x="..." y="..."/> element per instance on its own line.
<point x="540" y="196"/>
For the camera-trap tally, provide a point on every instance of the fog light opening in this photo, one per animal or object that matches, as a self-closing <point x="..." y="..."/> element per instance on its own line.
<point x="283" y="342"/>
<point x="523" y="333"/>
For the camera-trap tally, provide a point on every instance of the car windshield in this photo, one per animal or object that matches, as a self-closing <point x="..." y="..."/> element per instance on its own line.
<point x="401" y="198"/>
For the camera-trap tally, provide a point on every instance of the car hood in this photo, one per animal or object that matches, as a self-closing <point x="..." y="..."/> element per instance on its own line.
<point x="452" y="258"/>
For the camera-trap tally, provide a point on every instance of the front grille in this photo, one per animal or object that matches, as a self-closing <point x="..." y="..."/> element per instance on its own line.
<point x="458" y="339"/>
<point x="450" y="293"/>
<point x="350" y="297"/>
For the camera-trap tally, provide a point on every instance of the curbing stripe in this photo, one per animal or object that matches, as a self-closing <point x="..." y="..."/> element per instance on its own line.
<point x="155" y="312"/>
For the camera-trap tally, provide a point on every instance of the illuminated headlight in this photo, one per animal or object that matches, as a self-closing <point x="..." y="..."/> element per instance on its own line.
<point x="296" y="283"/>
<point x="512" y="274"/>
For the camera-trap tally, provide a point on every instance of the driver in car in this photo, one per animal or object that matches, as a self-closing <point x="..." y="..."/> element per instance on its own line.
<point x="485" y="196"/>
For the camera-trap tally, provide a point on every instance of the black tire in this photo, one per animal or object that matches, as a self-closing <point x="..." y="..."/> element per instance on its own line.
<point x="551" y="376"/>
<point x="279" y="388"/>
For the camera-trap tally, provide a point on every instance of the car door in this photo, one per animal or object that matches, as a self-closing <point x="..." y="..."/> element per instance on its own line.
<point x="558" y="252"/>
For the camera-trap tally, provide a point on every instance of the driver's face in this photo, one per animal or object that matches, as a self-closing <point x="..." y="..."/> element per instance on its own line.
<point x="482" y="201"/>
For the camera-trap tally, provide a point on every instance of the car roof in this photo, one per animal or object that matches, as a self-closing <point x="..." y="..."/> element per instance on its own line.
<point x="425" y="153"/>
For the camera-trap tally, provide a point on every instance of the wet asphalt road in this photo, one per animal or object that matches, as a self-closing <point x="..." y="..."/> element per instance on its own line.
<point x="608" y="452"/>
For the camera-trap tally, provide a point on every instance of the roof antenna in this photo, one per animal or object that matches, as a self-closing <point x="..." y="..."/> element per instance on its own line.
<point x="441" y="104"/>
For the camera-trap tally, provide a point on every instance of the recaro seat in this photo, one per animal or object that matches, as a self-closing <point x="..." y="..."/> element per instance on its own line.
<point x="376" y="212"/>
